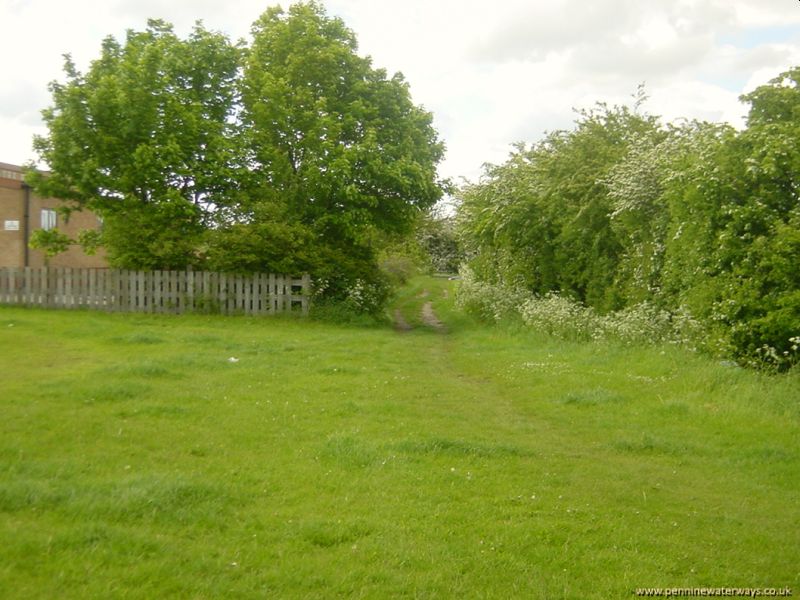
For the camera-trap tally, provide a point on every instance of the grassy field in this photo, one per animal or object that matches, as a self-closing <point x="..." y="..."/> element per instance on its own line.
<point x="213" y="457"/>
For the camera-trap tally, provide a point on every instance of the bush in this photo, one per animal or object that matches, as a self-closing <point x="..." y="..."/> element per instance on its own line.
<point x="568" y="319"/>
<point x="645" y="323"/>
<point x="398" y="268"/>
<point x="359" y="296"/>
<point x="491" y="302"/>
<point x="560" y="317"/>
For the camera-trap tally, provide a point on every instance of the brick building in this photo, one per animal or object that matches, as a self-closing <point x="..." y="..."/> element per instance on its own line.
<point x="22" y="212"/>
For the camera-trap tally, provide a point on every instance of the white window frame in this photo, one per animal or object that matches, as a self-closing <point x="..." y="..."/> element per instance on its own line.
<point x="49" y="219"/>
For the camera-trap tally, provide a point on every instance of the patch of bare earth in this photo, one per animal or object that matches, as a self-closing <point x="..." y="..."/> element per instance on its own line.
<point x="429" y="317"/>
<point x="427" y="314"/>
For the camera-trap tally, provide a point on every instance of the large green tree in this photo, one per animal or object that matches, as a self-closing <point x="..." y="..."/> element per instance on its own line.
<point x="291" y="154"/>
<point x="336" y="147"/>
<point x="145" y="139"/>
<point x="343" y="143"/>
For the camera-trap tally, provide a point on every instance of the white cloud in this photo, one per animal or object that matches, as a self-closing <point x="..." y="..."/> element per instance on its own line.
<point x="765" y="13"/>
<point x="491" y="73"/>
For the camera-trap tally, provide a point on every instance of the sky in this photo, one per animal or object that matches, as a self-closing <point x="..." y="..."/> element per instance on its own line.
<point x="492" y="73"/>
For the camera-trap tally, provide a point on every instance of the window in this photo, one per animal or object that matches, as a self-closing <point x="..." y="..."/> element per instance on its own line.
<point x="48" y="219"/>
<point x="8" y="174"/>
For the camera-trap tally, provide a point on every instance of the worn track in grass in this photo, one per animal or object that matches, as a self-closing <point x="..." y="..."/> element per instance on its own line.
<point x="426" y="313"/>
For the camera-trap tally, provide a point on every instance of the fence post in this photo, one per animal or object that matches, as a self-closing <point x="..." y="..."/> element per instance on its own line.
<point x="248" y="288"/>
<point x="189" y="294"/>
<point x="306" y="292"/>
<point x="67" y="299"/>
<point x="5" y="286"/>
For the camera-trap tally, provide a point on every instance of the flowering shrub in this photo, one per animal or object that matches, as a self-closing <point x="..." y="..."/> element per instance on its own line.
<point x="560" y="317"/>
<point x="646" y="323"/>
<point x="340" y="300"/>
<point x="565" y="318"/>
<point x="770" y="358"/>
<point x="367" y="297"/>
<point x="488" y="301"/>
<point x="639" y="324"/>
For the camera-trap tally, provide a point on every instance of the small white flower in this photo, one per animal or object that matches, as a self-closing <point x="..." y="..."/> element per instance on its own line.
<point x="233" y="359"/>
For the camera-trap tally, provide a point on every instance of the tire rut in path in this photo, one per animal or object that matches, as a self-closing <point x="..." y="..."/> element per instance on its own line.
<point x="430" y="319"/>
<point x="427" y="315"/>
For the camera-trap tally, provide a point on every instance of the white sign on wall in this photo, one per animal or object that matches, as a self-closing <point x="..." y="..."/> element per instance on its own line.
<point x="12" y="226"/>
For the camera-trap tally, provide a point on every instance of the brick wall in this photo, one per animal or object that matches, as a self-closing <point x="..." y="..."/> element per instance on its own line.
<point x="12" y="226"/>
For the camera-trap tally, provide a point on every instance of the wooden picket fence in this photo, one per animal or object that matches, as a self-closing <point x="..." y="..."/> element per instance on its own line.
<point x="174" y="292"/>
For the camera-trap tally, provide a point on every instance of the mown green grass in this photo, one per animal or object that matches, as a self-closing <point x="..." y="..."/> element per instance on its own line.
<point x="137" y="461"/>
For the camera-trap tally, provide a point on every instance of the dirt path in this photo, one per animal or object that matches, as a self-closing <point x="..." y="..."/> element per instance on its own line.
<point x="430" y="319"/>
<point x="427" y="315"/>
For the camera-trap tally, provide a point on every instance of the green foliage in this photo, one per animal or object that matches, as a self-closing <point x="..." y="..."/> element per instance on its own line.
<point x="342" y="143"/>
<point x="159" y="236"/>
<point x="90" y="240"/>
<point x="438" y="238"/>
<point x="760" y="240"/>
<point x="736" y="224"/>
<point x="622" y="211"/>
<point x="432" y="247"/>
<point x="399" y="268"/>
<point x="564" y="318"/>
<point x="50" y="241"/>
<point x="292" y="154"/>
<point x="542" y="220"/>
<point x="486" y="300"/>
<point x="145" y="139"/>
<point x="266" y="241"/>
<point x="337" y="144"/>
<point x="352" y="281"/>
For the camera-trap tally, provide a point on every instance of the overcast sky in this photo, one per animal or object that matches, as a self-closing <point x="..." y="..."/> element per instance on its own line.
<point x="492" y="73"/>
